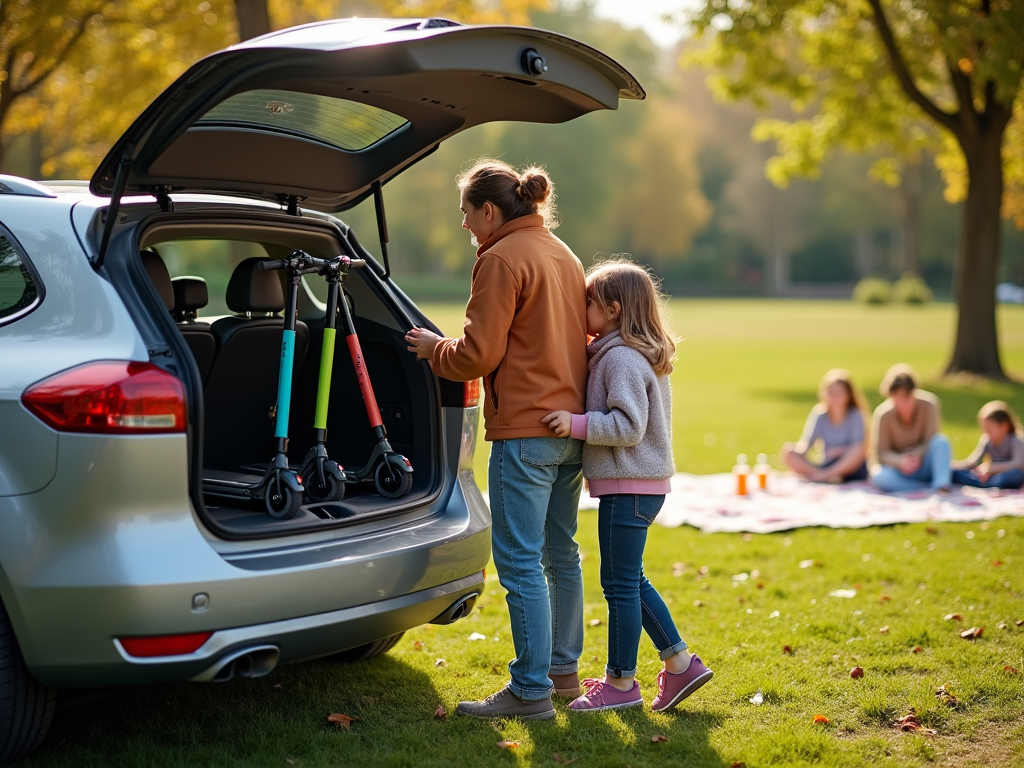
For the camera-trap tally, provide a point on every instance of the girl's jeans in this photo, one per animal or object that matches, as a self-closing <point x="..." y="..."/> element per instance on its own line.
<point x="534" y="484"/>
<point x="633" y="601"/>
<point x="1013" y="478"/>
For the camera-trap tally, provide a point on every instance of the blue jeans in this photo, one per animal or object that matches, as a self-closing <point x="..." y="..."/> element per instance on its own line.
<point x="1013" y="478"/>
<point x="633" y="602"/>
<point x="534" y="486"/>
<point x="934" y="471"/>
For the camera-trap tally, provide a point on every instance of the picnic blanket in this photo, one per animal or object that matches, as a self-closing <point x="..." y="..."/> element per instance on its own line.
<point x="710" y="503"/>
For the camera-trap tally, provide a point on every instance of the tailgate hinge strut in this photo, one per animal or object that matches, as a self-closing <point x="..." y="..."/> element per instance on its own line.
<point x="163" y="197"/>
<point x="120" y="182"/>
<point x="382" y="225"/>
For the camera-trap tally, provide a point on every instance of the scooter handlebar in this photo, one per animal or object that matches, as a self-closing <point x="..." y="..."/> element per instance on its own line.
<point x="266" y="266"/>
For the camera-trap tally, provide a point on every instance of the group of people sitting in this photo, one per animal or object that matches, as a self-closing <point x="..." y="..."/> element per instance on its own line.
<point x="904" y="447"/>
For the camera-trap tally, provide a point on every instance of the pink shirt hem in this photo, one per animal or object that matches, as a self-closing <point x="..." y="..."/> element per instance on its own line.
<point x="605" y="487"/>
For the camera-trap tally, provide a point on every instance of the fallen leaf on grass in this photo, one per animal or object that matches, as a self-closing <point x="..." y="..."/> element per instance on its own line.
<point x="843" y="593"/>
<point x="1002" y="625"/>
<point x="884" y="599"/>
<point x="595" y="622"/>
<point x="944" y="693"/>
<point x="972" y="633"/>
<point x="278" y="687"/>
<point x="757" y="699"/>
<point x="290" y="760"/>
<point x="440" y="663"/>
<point x="1010" y="669"/>
<point x="787" y="650"/>
<point x="821" y="720"/>
<point x="563" y="761"/>
<point x="953" y="617"/>
<point x="760" y="585"/>
<point x="997" y="563"/>
<point x="508" y="745"/>
<point x="342" y="721"/>
<point x="497" y="669"/>
<point x="806" y="563"/>
<point x="1019" y="622"/>
<point x="658" y="739"/>
<point x="418" y="645"/>
<point x="738" y="764"/>
<point x="477" y="636"/>
<point x="909" y="722"/>
<point x="884" y="630"/>
<point x="440" y="713"/>
<point x="703" y="570"/>
<point x="697" y="604"/>
<point x="857" y="673"/>
<point x="917" y="649"/>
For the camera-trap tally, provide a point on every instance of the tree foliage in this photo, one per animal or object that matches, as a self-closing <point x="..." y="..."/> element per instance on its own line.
<point x="892" y="78"/>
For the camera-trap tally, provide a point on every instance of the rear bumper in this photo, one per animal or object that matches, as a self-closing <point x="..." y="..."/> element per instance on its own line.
<point x="296" y="639"/>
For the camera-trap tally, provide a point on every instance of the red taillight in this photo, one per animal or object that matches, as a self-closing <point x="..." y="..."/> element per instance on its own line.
<point x="112" y="397"/>
<point x="165" y="645"/>
<point x="471" y="393"/>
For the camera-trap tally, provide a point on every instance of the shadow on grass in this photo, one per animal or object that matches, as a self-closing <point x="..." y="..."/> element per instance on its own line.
<point x="281" y="720"/>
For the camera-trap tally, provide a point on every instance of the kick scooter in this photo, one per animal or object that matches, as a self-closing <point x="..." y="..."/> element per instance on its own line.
<point x="325" y="479"/>
<point x="390" y="472"/>
<point x="280" y="488"/>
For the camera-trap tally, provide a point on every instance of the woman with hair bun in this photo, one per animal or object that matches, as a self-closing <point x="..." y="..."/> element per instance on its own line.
<point x="526" y="335"/>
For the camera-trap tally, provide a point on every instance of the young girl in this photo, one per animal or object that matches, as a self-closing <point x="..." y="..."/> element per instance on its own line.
<point x="838" y="422"/>
<point x="627" y="460"/>
<point x="1002" y="440"/>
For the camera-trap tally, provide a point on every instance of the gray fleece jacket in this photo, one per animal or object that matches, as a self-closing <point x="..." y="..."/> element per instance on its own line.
<point x="628" y="424"/>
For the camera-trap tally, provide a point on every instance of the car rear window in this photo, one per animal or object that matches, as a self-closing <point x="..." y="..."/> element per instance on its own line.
<point x="19" y="292"/>
<point x="341" y="123"/>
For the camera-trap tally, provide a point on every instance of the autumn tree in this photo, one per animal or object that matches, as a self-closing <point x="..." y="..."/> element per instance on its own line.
<point x="895" y="78"/>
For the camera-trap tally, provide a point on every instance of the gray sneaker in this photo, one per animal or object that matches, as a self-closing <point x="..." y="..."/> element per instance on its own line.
<point x="504" y="704"/>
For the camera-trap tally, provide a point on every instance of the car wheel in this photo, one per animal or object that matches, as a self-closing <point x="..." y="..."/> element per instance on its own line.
<point x="368" y="651"/>
<point x="26" y="706"/>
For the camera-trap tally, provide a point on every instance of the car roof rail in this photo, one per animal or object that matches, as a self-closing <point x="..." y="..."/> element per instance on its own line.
<point x="15" y="185"/>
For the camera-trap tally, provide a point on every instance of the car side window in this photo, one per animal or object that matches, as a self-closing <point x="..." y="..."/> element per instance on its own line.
<point x="20" y="289"/>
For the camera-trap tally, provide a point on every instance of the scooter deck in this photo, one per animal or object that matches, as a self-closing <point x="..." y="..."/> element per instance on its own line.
<point x="236" y="485"/>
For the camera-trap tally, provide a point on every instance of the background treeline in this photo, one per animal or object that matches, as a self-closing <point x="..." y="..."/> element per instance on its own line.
<point x="677" y="181"/>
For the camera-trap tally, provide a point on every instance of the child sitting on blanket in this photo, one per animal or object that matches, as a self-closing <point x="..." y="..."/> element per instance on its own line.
<point x="838" y="422"/>
<point x="627" y="459"/>
<point x="1002" y="441"/>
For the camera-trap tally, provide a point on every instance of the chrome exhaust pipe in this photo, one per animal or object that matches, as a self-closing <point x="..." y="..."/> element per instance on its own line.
<point x="460" y="609"/>
<point x="252" y="662"/>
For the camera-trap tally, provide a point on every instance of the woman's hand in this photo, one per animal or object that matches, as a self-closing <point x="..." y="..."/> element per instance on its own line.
<point x="422" y="342"/>
<point x="559" y="422"/>
<point x="983" y="471"/>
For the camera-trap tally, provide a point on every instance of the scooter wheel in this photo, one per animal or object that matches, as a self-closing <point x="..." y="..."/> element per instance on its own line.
<point x="282" y="502"/>
<point x="333" y="489"/>
<point x="392" y="481"/>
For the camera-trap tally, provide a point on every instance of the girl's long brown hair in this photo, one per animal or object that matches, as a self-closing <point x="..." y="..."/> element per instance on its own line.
<point x="641" y="309"/>
<point x="856" y="397"/>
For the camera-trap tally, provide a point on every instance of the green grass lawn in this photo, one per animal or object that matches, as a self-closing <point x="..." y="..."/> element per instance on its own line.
<point x="747" y="375"/>
<point x="748" y="370"/>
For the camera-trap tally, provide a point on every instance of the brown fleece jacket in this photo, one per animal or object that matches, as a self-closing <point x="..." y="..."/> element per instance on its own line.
<point x="525" y="331"/>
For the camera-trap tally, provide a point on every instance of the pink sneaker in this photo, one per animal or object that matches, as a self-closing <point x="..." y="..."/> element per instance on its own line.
<point x="673" y="688"/>
<point x="597" y="694"/>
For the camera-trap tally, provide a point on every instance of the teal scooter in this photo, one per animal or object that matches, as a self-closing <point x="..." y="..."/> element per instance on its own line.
<point x="280" y="488"/>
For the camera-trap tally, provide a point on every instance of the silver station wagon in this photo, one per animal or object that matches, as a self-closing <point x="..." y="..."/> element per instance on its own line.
<point x="138" y="404"/>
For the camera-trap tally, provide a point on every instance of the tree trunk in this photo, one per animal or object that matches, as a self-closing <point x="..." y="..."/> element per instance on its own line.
<point x="977" y="344"/>
<point x="253" y="18"/>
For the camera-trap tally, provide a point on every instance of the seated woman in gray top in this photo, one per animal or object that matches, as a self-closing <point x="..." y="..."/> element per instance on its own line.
<point x="1001" y="441"/>
<point x="837" y="421"/>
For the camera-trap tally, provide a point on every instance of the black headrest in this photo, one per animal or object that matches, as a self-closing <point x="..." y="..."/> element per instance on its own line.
<point x="250" y="290"/>
<point x="159" y="277"/>
<point x="190" y="293"/>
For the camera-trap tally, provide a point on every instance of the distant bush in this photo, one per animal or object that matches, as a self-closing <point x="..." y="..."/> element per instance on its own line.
<point x="873" y="290"/>
<point x="911" y="289"/>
